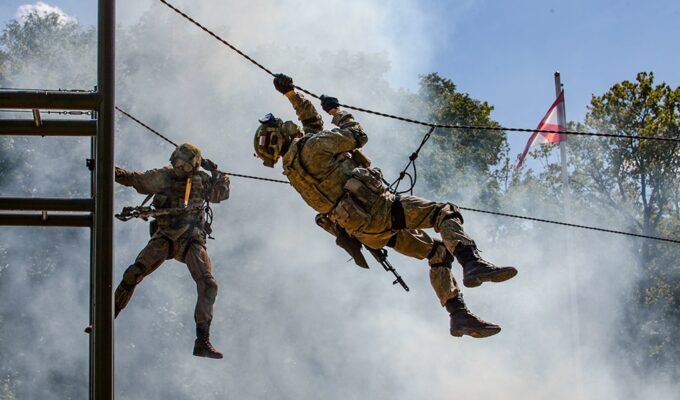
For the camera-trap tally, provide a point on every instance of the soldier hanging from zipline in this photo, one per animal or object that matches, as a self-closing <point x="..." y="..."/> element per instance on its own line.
<point x="333" y="176"/>
<point x="181" y="207"/>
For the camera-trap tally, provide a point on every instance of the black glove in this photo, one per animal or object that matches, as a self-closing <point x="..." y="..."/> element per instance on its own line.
<point x="328" y="103"/>
<point x="283" y="83"/>
<point x="208" y="165"/>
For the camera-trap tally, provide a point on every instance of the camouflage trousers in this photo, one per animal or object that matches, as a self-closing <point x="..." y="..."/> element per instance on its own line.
<point x="398" y="222"/>
<point x="190" y="249"/>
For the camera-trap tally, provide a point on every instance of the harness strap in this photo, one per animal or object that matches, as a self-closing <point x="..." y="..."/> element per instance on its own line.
<point x="392" y="242"/>
<point x="397" y="214"/>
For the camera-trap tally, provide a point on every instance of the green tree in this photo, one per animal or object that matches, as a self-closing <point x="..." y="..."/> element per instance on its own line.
<point x="39" y="49"/>
<point x="639" y="175"/>
<point x="459" y="161"/>
<point x="636" y="182"/>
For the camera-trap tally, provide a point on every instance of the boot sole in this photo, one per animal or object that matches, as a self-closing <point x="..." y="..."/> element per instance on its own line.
<point x="477" y="333"/>
<point x="499" y="276"/>
<point x="208" y="355"/>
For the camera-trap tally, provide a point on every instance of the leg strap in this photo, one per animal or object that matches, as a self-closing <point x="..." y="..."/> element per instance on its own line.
<point x="448" y="258"/>
<point x="397" y="214"/>
<point x="392" y="242"/>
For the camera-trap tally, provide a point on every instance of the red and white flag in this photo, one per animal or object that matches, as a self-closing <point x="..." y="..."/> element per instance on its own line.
<point x="550" y="121"/>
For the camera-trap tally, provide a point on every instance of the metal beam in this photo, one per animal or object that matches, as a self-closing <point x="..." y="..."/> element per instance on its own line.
<point x="47" y="220"/>
<point x="102" y="382"/>
<point x="49" y="100"/>
<point x="53" y="127"/>
<point x="46" y="204"/>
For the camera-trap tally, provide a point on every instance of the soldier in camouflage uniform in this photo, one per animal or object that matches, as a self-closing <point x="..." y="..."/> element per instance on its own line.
<point x="331" y="174"/>
<point x="181" y="236"/>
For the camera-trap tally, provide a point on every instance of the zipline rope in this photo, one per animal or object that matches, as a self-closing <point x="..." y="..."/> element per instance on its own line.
<point x="150" y="129"/>
<point x="547" y="221"/>
<point x="592" y="228"/>
<point x="410" y="120"/>
<point x="155" y="132"/>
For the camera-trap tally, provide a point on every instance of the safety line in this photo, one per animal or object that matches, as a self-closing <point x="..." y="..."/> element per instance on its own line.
<point x="155" y="132"/>
<point x="547" y="221"/>
<point x="46" y="90"/>
<point x="410" y="120"/>
<point x="592" y="228"/>
<point x="394" y="186"/>
<point x="66" y="112"/>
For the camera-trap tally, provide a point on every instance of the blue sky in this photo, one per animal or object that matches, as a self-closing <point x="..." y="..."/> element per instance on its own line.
<point x="506" y="52"/>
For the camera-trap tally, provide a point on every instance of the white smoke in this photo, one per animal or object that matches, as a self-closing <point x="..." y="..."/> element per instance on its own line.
<point x="294" y="319"/>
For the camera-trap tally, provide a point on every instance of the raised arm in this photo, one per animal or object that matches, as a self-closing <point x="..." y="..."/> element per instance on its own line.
<point x="348" y="126"/>
<point x="349" y="136"/>
<point x="219" y="186"/>
<point x="148" y="182"/>
<point x="306" y="113"/>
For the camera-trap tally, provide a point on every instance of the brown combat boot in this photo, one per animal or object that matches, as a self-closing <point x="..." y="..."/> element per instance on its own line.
<point x="477" y="270"/>
<point x="202" y="345"/>
<point x="463" y="322"/>
<point x="122" y="296"/>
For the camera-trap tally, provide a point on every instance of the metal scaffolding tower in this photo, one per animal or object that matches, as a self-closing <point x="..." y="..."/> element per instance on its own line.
<point x="95" y="212"/>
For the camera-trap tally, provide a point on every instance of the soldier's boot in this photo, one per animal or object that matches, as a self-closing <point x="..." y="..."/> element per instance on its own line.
<point x="463" y="322"/>
<point x="122" y="297"/>
<point x="477" y="270"/>
<point x="202" y="345"/>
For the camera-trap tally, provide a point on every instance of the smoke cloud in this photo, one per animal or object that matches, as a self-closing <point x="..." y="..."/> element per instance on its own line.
<point x="293" y="317"/>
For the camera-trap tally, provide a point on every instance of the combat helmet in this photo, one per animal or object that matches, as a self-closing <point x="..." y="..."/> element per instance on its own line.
<point x="273" y="137"/>
<point x="189" y="153"/>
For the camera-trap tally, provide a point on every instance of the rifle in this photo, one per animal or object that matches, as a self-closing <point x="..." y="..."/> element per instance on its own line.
<point x="381" y="256"/>
<point x="353" y="247"/>
<point x="146" y="212"/>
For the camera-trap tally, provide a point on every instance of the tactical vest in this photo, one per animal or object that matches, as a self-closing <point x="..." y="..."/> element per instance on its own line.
<point x="173" y="197"/>
<point x="322" y="193"/>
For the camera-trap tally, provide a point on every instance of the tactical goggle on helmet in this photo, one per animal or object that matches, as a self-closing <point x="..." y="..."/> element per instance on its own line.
<point x="189" y="153"/>
<point x="269" y="140"/>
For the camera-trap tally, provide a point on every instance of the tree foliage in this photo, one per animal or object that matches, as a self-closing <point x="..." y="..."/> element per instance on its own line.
<point x="460" y="161"/>
<point x="634" y="182"/>
<point x="638" y="181"/>
<point x="41" y="46"/>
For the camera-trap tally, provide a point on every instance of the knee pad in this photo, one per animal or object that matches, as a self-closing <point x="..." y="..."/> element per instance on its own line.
<point x="133" y="274"/>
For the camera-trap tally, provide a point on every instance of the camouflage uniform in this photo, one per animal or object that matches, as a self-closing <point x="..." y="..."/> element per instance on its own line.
<point x="182" y="237"/>
<point x="332" y="176"/>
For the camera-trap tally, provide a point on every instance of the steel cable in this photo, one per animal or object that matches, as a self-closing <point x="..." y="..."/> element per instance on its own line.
<point x="547" y="221"/>
<point x="410" y="120"/>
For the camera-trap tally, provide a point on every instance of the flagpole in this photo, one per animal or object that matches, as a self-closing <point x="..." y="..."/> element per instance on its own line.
<point x="573" y="286"/>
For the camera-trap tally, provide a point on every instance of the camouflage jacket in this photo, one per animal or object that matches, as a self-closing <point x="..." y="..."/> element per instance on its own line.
<point x="169" y="190"/>
<point x="319" y="164"/>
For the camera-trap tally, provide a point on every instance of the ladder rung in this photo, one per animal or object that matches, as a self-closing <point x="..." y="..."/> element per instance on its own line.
<point x="45" y="204"/>
<point x="49" y="100"/>
<point x="54" y="127"/>
<point x="52" y="220"/>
